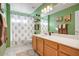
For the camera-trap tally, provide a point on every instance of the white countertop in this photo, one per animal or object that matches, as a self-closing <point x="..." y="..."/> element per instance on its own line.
<point x="72" y="42"/>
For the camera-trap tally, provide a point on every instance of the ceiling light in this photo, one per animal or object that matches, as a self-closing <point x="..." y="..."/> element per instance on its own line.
<point x="42" y="10"/>
<point x="45" y="10"/>
<point x="48" y="7"/>
<point x="56" y="28"/>
<point x="51" y="8"/>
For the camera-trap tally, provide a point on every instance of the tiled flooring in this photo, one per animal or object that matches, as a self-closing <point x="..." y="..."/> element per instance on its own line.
<point x="16" y="49"/>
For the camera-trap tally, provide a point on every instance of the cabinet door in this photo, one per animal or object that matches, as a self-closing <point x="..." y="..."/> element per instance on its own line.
<point x="48" y="51"/>
<point x="68" y="50"/>
<point x="51" y="44"/>
<point x="40" y="46"/>
<point x="62" y="54"/>
<point x="34" y="42"/>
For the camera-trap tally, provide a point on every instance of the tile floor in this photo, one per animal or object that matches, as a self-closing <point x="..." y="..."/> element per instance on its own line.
<point x="15" y="49"/>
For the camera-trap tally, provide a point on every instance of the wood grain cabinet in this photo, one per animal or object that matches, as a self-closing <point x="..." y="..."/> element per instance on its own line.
<point x="48" y="51"/>
<point x="45" y="47"/>
<point x="51" y="44"/>
<point x="40" y="46"/>
<point x="50" y="48"/>
<point x="62" y="54"/>
<point x="34" y="43"/>
<point x="68" y="50"/>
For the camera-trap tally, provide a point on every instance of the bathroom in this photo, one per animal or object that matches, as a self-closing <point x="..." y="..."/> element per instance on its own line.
<point x="39" y="29"/>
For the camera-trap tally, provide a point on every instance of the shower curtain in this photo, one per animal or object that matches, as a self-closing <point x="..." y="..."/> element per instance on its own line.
<point x="22" y="28"/>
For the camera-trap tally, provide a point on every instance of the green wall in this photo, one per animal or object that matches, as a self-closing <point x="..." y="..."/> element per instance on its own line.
<point x="52" y="18"/>
<point x="7" y="44"/>
<point x="71" y="25"/>
<point x="8" y="24"/>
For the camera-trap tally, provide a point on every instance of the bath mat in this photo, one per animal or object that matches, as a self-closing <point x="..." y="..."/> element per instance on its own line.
<point x="29" y="52"/>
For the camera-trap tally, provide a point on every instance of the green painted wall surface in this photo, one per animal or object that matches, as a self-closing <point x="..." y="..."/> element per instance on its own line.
<point x="8" y="24"/>
<point x="71" y="25"/>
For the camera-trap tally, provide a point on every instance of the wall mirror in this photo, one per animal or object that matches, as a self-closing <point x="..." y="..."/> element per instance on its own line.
<point x="36" y="26"/>
<point x="77" y="22"/>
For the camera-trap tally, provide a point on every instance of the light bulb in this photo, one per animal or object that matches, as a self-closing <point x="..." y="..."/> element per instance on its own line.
<point x="48" y="7"/>
<point x="51" y="8"/>
<point x="56" y="28"/>
<point x="45" y="10"/>
<point x="42" y="10"/>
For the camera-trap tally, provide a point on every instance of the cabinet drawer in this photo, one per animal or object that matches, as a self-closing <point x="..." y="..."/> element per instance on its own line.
<point x="48" y="51"/>
<point x="51" y="44"/>
<point x="68" y="50"/>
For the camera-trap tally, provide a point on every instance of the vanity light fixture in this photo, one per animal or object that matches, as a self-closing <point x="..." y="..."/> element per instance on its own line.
<point x="47" y="9"/>
<point x="51" y="8"/>
<point x="42" y="10"/>
<point x="56" y="28"/>
<point x="59" y="18"/>
<point x="67" y="18"/>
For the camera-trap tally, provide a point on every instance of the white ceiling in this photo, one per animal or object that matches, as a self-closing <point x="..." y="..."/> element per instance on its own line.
<point x="25" y="7"/>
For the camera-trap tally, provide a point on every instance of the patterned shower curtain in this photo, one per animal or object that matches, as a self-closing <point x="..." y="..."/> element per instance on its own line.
<point x="22" y="28"/>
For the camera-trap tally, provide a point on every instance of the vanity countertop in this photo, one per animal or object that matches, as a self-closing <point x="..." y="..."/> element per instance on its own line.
<point x="72" y="42"/>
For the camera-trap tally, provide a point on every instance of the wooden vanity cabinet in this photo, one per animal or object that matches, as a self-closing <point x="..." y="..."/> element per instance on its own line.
<point x="51" y="44"/>
<point x="48" y="51"/>
<point x="45" y="47"/>
<point x="34" y="43"/>
<point x="50" y="48"/>
<point x="40" y="46"/>
<point x="68" y="50"/>
<point x="62" y="54"/>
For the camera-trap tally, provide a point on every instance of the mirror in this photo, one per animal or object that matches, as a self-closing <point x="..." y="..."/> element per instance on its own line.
<point x="77" y="22"/>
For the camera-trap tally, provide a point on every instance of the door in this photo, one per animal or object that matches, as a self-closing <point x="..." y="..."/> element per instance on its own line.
<point x="34" y="42"/>
<point x="48" y="51"/>
<point x="40" y="46"/>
